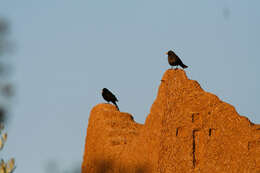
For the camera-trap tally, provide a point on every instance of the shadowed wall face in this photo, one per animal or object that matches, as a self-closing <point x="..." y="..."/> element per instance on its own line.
<point x="187" y="130"/>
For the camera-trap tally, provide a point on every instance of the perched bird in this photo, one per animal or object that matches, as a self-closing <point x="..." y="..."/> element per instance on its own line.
<point x="109" y="97"/>
<point x="174" y="60"/>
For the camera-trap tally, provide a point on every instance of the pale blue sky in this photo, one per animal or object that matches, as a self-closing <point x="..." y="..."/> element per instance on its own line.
<point x="67" y="51"/>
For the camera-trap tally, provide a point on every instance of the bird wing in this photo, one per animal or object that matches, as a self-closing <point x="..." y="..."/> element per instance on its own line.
<point x="112" y="96"/>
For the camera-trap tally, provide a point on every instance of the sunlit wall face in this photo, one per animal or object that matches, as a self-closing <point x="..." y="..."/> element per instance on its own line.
<point x="66" y="52"/>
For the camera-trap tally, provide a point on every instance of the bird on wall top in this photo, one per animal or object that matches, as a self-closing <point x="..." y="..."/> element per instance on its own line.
<point x="174" y="60"/>
<point x="109" y="97"/>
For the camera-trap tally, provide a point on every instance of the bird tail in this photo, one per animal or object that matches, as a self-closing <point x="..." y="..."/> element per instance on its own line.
<point x="183" y="65"/>
<point x="116" y="106"/>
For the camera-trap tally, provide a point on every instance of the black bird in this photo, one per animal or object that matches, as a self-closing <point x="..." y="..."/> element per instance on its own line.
<point x="109" y="97"/>
<point x="174" y="60"/>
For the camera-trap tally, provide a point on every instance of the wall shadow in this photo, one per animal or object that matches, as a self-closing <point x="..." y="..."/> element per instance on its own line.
<point x="109" y="166"/>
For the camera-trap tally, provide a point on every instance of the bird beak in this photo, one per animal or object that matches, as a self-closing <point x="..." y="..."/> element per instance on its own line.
<point x="166" y="53"/>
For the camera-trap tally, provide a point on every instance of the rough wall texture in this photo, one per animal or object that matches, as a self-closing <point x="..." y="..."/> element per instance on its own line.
<point x="187" y="130"/>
